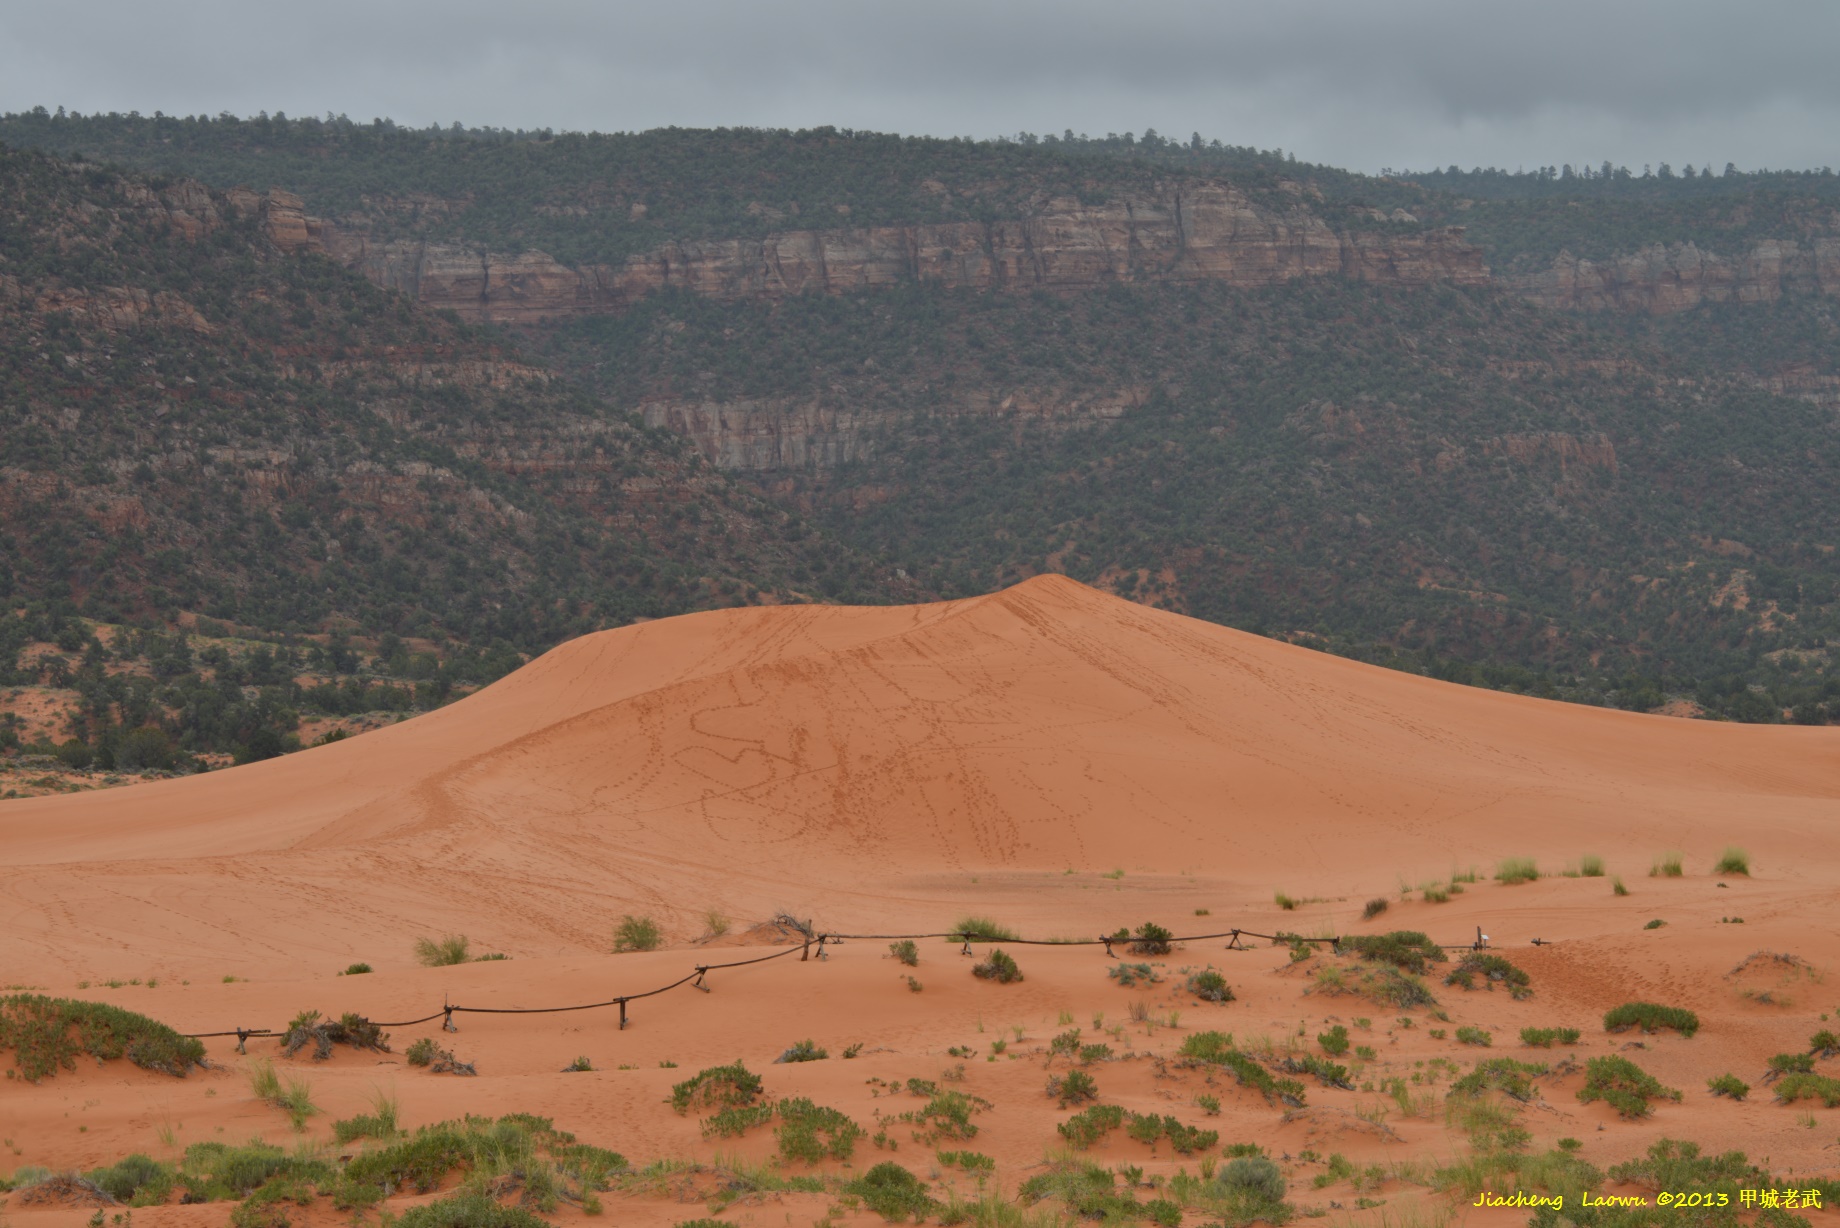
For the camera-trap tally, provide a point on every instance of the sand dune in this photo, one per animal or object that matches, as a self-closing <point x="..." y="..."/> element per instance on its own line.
<point x="854" y="762"/>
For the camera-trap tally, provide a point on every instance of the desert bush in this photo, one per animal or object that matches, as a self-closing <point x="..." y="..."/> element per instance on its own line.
<point x="1668" y="865"/>
<point x="1616" y="886"/>
<point x="893" y="1193"/>
<point x="1493" y="970"/>
<point x="1824" y="1043"/>
<point x="803" y="1051"/>
<point x="1656" y="924"/>
<point x="1284" y="901"/>
<point x="1210" y="986"/>
<point x="1512" y="870"/>
<point x="357" y="969"/>
<point x="810" y="1132"/>
<point x="1474" y="1036"/>
<point x="1500" y="1074"/>
<point x="1789" y="1063"/>
<point x="1328" y="1073"/>
<point x="906" y="952"/>
<point x="1733" y="861"/>
<point x="1590" y="866"/>
<point x="969" y="1161"/>
<point x="1806" y="1086"/>
<point x="1074" y="1087"/>
<point x="1650" y="1018"/>
<point x="1335" y="1041"/>
<point x="1216" y="1048"/>
<point x="1132" y="975"/>
<point x="137" y="1180"/>
<point x="1374" y="907"/>
<point x="998" y="967"/>
<point x="947" y="1115"/>
<point x="214" y="1172"/>
<point x="1150" y="1129"/>
<point x="48" y="1033"/>
<point x="1090" y="1125"/>
<point x="982" y="929"/>
<point x="734" y="1122"/>
<point x="443" y="952"/>
<point x="307" y="1028"/>
<point x="716" y="922"/>
<point x="1406" y="949"/>
<point x="1089" y="1191"/>
<point x="379" y="1123"/>
<point x="636" y="934"/>
<point x="1255" y="1178"/>
<point x="1208" y="1104"/>
<point x="1151" y="939"/>
<point x="1622" y="1085"/>
<point x="1728" y="1085"/>
<point x="1436" y="894"/>
<point x="1546" y="1038"/>
<point x="1095" y="1053"/>
<point x="581" y="1065"/>
<point x="730" y="1086"/>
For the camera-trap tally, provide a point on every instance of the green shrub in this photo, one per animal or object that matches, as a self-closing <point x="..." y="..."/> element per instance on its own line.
<point x="1374" y="907"/>
<point x="1650" y="1018"/>
<point x="1074" y="1087"/>
<point x="906" y="952"/>
<point x="1667" y="865"/>
<point x="1493" y="970"/>
<point x="1805" y="1086"/>
<point x="804" y="1051"/>
<point x="734" y="1122"/>
<point x="1824" y="1043"/>
<point x="731" y="1086"/>
<point x="1328" y="1073"/>
<point x="1132" y="975"/>
<point x="1790" y="1063"/>
<point x="946" y="1116"/>
<point x="1546" y="1038"/>
<point x="1089" y="1191"/>
<point x="1409" y="950"/>
<point x="893" y="1193"/>
<point x="998" y="967"/>
<point x="1151" y="939"/>
<point x="48" y="1033"/>
<point x="1254" y="1177"/>
<point x="1216" y="1048"/>
<point x="1616" y="886"/>
<point x="1514" y="870"/>
<point x="1150" y="1129"/>
<point x="422" y="1052"/>
<point x="636" y="934"/>
<point x="214" y="1172"/>
<point x="1335" y="1041"/>
<point x="136" y="1179"/>
<point x="810" y="1133"/>
<point x="1474" y="1036"/>
<point x="1591" y="866"/>
<point x="442" y="953"/>
<point x="1163" y="1213"/>
<point x="1090" y="1125"/>
<point x="1622" y="1085"/>
<point x="1729" y="1085"/>
<point x="970" y="1161"/>
<point x="468" y="1210"/>
<point x="1210" y="986"/>
<point x="1284" y="901"/>
<point x="357" y="969"/>
<point x="1733" y="861"/>
<point x="1500" y="1074"/>
<point x="982" y="929"/>
<point x="1656" y="924"/>
<point x="379" y="1123"/>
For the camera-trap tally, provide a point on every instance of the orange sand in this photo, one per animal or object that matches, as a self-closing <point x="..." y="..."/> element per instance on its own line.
<point x="888" y="769"/>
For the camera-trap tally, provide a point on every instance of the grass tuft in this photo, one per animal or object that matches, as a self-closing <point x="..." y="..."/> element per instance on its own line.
<point x="1374" y="908"/>
<point x="442" y="953"/>
<point x="1728" y="1085"/>
<point x="1514" y="870"/>
<point x="906" y="952"/>
<point x="1668" y="865"/>
<point x="998" y="966"/>
<point x="1733" y="861"/>
<point x="1590" y="866"/>
<point x="982" y="929"/>
<point x="636" y="934"/>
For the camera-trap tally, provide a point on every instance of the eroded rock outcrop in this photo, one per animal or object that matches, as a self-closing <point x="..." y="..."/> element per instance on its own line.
<point x="1661" y="280"/>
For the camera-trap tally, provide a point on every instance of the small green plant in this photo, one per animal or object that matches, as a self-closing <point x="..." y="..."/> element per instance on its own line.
<point x="1087" y="1127"/>
<point x="1474" y="1036"/>
<point x="1546" y="1038"/>
<point x="1668" y="865"/>
<point x="443" y="952"/>
<point x="1500" y="1074"/>
<point x="1734" y="861"/>
<point x="1334" y="1042"/>
<point x="379" y="1123"/>
<point x="1204" y="912"/>
<point x="913" y="985"/>
<point x="1512" y="870"/>
<point x="730" y="1086"/>
<point x="716" y="922"/>
<point x="1210" y="986"/>
<point x="1410" y="950"/>
<point x="906" y="952"/>
<point x="1651" y="1018"/>
<point x="636" y="934"/>
<point x="1806" y="1086"/>
<point x="1132" y="975"/>
<point x="1616" y="886"/>
<point x="294" y="1097"/>
<point x="1789" y="1063"/>
<point x="1656" y="924"/>
<point x="1622" y="1085"/>
<point x="893" y="1193"/>
<point x="356" y="970"/>
<point x="1492" y="970"/>
<point x="1074" y="1087"/>
<point x="810" y="1133"/>
<point x="1824" y="1043"/>
<point x="1208" y="1104"/>
<point x="998" y="966"/>
<point x="1729" y="1085"/>
<point x="1151" y="939"/>
<point x="1216" y="1048"/>
<point x="1284" y="901"/>
<point x="734" y="1122"/>
<point x="804" y="1051"/>
<point x="581" y="1065"/>
<point x="982" y="929"/>
<point x="1590" y="866"/>
<point x="1374" y="907"/>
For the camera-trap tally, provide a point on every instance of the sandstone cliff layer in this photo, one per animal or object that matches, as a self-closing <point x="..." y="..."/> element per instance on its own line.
<point x="1208" y="233"/>
<point x="1661" y="280"/>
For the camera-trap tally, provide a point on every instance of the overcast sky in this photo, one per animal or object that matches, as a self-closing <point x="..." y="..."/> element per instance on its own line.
<point x="1359" y="83"/>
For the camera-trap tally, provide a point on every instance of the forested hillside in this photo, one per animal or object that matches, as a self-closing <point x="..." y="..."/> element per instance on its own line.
<point x="1570" y="431"/>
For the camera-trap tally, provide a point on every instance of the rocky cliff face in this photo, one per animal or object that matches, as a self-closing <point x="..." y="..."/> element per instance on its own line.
<point x="1660" y="280"/>
<point x="1208" y="233"/>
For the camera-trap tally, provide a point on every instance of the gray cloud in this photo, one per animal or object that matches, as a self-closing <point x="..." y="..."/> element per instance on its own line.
<point x="1410" y="83"/>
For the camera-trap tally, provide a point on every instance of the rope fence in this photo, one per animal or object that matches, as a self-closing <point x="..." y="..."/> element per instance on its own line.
<point x="803" y="950"/>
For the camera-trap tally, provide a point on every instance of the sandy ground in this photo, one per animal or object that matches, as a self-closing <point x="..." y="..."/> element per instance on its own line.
<point x="1054" y="758"/>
